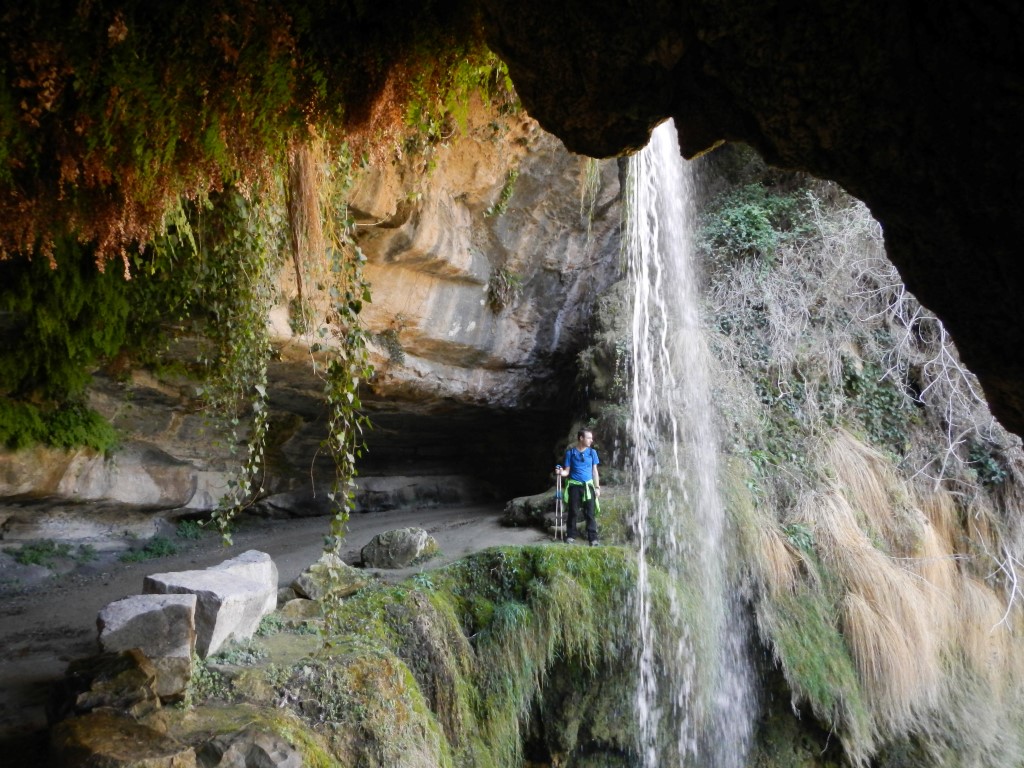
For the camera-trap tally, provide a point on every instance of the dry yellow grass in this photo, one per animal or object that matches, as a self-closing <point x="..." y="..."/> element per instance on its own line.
<point x="306" y="181"/>
<point x="936" y="566"/>
<point x="778" y="561"/>
<point x="940" y="509"/>
<point x="896" y="678"/>
<point x="984" y="638"/>
<point x="870" y="483"/>
<point x="887" y="614"/>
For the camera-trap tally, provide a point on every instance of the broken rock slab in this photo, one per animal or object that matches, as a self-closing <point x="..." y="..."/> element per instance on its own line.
<point x="158" y="625"/>
<point x="163" y="627"/>
<point x="231" y="598"/>
<point x="398" y="548"/>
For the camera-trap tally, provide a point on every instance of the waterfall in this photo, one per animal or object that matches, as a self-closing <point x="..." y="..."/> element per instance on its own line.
<point x="695" y="693"/>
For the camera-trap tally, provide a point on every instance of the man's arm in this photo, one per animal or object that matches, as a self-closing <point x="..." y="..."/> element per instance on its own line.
<point x="597" y="480"/>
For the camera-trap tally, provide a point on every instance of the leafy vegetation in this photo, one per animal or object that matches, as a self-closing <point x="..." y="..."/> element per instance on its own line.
<point x="501" y="204"/>
<point x="69" y="426"/>
<point x="503" y="288"/>
<point x="444" y="670"/>
<point x="156" y="547"/>
<point x="47" y="553"/>
<point x="191" y="530"/>
<point x="118" y="113"/>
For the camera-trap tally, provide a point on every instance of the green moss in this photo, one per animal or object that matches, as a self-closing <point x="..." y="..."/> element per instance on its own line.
<point x="817" y="664"/>
<point x="72" y="425"/>
<point x="453" y="673"/>
<point x="61" y="320"/>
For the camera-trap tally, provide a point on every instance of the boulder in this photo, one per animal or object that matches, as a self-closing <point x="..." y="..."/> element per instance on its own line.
<point x="398" y="548"/>
<point x="249" y="748"/>
<point x="111" y="740"/>
<point x="163" y="627"/>
<point x="329" y="574"/>
<point x="124" y="681"/>
<point x="231" y="598"/>
<point x="525" y="511"/>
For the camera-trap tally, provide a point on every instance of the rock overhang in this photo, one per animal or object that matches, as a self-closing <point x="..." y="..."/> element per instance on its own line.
<point x="914" y="110"/>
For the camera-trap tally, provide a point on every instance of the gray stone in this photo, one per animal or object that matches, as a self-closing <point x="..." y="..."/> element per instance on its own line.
<point x="524" y="511"/>
<point x="228" y="606"/>
<point x="329" y="574"/>
<point x="249" y="748"/>
<point x="139" y="474"/>
<point x="158" y="625"/>
<point x="398" y="548"/>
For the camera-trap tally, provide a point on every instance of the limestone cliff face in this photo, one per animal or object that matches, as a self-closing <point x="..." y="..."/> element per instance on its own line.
<point x="485" y="260"/>
<point x="485" y="266"/>
<point x="484" y="269"/>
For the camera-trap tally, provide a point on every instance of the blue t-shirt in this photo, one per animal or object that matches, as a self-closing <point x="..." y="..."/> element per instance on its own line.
<point x="581" y="463"/>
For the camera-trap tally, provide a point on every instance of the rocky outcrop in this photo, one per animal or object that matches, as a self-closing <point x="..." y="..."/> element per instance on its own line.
<point x="231" y="598"/>
<point x="913" y="109"/>
<point x="484" y="271"/>
<point x="163" y="627"/>
<point x="103" y="738"/>
<point x="124" y="681"/>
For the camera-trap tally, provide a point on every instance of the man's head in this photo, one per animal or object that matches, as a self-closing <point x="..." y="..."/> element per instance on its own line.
<point x="585" y="438"/>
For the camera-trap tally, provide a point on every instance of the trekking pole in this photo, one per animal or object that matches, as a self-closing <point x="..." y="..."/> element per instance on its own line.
<point x="559" y="522"/>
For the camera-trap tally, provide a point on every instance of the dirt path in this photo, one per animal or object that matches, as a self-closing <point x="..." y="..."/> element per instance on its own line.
<point x="45" y="626"/>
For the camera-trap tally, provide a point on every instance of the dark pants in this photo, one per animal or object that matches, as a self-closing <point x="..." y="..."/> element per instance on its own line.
<point x="578" y="504"/>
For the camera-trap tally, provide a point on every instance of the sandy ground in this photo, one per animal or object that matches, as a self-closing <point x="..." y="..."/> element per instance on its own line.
<point x="45" y="625"/>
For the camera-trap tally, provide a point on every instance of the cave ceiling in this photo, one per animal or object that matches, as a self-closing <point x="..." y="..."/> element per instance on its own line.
<point x="917" y="109"/>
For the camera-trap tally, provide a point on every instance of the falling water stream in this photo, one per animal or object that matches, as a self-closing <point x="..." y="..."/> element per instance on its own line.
<point x="695" y="693"/>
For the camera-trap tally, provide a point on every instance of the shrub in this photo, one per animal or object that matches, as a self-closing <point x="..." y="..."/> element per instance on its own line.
<point x="158" y="546"/>
<point x="753" y="221"/>
<point x="42" y="553"/>
<point x="189" y="529"/>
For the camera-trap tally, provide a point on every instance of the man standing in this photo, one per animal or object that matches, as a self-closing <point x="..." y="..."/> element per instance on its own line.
<point x="584" y="485"/>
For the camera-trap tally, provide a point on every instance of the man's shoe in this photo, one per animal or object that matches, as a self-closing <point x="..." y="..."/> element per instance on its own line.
<point x="570" y="540"/>
<point x="593" y="543"/>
